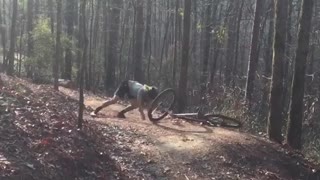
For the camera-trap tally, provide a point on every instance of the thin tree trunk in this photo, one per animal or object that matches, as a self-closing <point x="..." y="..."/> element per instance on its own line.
<point x="275" y="113"/>
<point x="11" y="55"/>
<point x="268" y="60"/>
<point x="176" y="39"/>
<point x="183" y="82"/>
<point x="96" y="40"/>
<point x="163" y="45"/>
<point x="235" y="66"/>
<point x="254" y="55"/>
<point x="113" y="43"/>
<point x="148" y="27"/>
<point x="69" y="19"/>
<point x="29" y="35"/>
<point x="83" y="60"/>
<point x="287" y="75"/>
<point x="124" y="35"/>
<point x="294" y="132"/>
<point x="51" y="14"/>
<point x="138" y="69"/>
<point x="58" y="46"/>
<point x="21" y="48"/>
<point x="89" y="71"/>
<point x="3" y="38"/>
<point x="230" y="43"/>
<point x="206" y="51"/>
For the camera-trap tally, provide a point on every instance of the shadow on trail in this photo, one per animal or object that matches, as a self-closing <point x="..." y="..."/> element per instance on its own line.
<point x="39" y="139"/>
<point x="251" y="160"/>
<point x="205" y="129"/>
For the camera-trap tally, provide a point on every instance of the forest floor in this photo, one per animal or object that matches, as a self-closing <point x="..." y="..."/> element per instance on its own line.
<point x="39" y="139"/>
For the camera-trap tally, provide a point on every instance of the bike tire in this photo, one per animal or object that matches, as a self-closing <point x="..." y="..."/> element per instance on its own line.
<point x="223" y="121"/>
<point x="158" y="99"/>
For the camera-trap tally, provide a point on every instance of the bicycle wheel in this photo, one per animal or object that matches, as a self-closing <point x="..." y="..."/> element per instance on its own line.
<point x="223" y="121"/>
<point x="161" y="105"/>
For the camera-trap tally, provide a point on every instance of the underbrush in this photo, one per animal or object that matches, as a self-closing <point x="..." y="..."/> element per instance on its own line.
<point x="230" y="102"/>
<point x="39" y="139"/>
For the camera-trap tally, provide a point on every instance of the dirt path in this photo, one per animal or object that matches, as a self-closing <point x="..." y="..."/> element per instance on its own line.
<point x="174" y="149"/>
<point x="47" y="144"/>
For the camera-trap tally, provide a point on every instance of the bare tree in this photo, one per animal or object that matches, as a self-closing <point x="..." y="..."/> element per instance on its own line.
<point x="113" y="42"/>
<point x="58" y="46"/>
<point x="254" y="55"/>
<point x="294" y="132"/>
<point x="69" y="19"/>
<point x="206" y="48"/>
<point x="3" y="39"/>
<point x="183" y="82"/>
<point x="84" y="46"/>
<point x="275" y="112"/>
<point x="11" y="55"/>
<point x="138" y="70"/>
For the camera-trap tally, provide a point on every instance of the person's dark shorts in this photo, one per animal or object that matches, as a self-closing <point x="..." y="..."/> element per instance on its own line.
<point x="123" y="90"/>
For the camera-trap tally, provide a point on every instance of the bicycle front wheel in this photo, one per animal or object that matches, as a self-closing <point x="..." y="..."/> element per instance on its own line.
<point x="161" y="105"/>
<point x="223" y="121"/>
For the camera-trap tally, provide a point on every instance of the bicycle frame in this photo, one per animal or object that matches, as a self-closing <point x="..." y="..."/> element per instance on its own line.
<point x="198" y="114"/>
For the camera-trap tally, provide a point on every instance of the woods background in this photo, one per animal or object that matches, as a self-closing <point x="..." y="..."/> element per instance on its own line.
<point x="256" y="60"/>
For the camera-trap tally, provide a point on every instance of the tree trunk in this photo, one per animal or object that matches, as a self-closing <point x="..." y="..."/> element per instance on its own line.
<point x="21" y="47"/>
<point x="29" y="35"/>
<point x="268" y="60"/>
<point x="138" y="69"/>
<point x="235" y="66"/>
<point x="275" y="112"/>
<point x="69" y="19"/>
<point x="57" y="60"/>
<point x="206" y="51"/>
<point x="37" y="8"/>
<point x="11" y="55"/>
<point x="183" y="82"/>
<point x="96" y="39"/>
<point x="254" y="55"/>
<point x="216" y="50"/>
<point x="230" y="43"/>
<point x="113" y="43"/>
<point x="84" y="46"/>
<point x="287" y="75"/>
<point x="176" y="40"/>
<point x="148" y="27"/>
<point x="3" y="38"/>
<point x="294" y="132"/>
<point x="88" y="76"/>
<point x="163" y="45"/>
<point x="105" y="43"/>
<point x="51" y="14"/>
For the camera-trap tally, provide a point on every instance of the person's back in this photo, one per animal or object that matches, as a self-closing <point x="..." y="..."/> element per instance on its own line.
<point x="134" y="88"/>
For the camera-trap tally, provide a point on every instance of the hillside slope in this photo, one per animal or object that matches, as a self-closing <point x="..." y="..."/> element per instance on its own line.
<point x="39" y="140"/>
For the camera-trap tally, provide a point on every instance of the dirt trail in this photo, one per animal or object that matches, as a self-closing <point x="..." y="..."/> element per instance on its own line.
<point x="175" y="149"/>
<point x="47" y="145"/>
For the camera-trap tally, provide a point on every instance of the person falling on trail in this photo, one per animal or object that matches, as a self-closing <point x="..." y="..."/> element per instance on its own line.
<point x="139" y="95"/>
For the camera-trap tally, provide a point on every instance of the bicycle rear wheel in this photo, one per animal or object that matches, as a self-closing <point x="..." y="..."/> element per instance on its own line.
<point x="161" y="105"/>
<point x="223" y="121"/>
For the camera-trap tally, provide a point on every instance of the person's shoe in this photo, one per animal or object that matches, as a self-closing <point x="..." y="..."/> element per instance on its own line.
<point x="121" y="115"/>
<point x="93" y="114"/>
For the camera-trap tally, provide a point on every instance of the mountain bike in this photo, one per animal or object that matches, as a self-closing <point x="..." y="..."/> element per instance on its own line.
<point x="163" y="105"/>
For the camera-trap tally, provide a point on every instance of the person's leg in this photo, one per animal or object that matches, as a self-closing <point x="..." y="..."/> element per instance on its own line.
<point x="125" y="110"/>
<point x="113" y="100"/>
<point x="120" y="92"/>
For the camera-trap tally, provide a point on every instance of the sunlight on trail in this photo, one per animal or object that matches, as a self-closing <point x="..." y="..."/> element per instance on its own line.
<point x="180" y="143"/>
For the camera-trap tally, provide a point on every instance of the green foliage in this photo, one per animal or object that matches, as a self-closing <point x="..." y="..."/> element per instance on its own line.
<point x="181" y="13"/>
<point x="44" y="50"/>
<point x="221" y="34"/>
